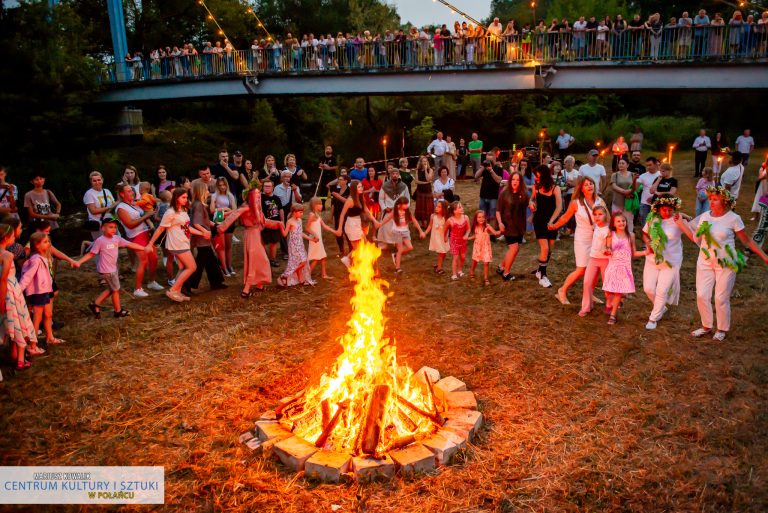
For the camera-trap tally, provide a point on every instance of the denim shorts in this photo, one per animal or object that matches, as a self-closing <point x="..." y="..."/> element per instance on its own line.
<point x="489" y="207"/>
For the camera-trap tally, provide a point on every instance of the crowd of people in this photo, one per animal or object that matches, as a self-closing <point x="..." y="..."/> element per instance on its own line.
<point x="193" y="221"/>
<point x="586" y="38"/>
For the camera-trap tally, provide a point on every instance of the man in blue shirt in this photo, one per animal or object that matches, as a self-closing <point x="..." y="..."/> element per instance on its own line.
<point x="358" y="172"/>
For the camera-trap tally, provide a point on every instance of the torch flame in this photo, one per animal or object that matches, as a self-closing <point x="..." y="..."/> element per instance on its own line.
<point x="368" y="363"/>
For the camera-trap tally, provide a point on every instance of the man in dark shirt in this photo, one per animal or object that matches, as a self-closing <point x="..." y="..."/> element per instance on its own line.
<point x="490" y="174"/>
<point x="328" y="167"/>
<point x="273" y="210"/>
<point x="635" y="165"/>
<point x="221" y="167"/>
<point x="636" y="27"/>
<point x="235" y="176"/>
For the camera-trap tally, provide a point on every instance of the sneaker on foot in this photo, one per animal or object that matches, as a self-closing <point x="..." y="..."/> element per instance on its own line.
<point x="232" y="272"/>
<point x="651" y="325"/>
<point x="544" y="282"/>
<point x="701" y="332"/>
<point x="171" y="282"/>
<point x="454" y="277"/>
<point x="140" y="293"/>
<point x="508" y="277"/>
<point x="153" y="285"/>
<point x="719" y="336"/>
<point x="235" y="240"/>
<point x="537" y="273"/>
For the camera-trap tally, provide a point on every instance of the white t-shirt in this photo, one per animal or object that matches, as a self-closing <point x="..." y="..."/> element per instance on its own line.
<point x="673" y="251"/>
<point x="745" y="144"/>
<point x="598" y="242"/>
<point x="563" y="141"/>
<point x="177" y="230"/>
<point x="100" y="198"/>
<point x="723" y="232"/>
<point x="601" y="32"/>
<point x="594" y="172"/>
<point x="573" y="176"/>
<point x="647" y="179"/>
<point x="579" y="27"/>
<point x="733" y="177"/>
<point x="135" y="214"/>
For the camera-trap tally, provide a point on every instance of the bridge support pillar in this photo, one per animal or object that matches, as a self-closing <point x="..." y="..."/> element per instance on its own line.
<point x="119" y="40"/>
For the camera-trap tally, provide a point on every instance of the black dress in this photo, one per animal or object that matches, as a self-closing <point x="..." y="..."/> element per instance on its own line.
<point x="545" y="207"/>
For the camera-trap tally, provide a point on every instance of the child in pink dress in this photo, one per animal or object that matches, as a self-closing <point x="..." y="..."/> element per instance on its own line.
<point x="481" y="250"/>
<point x="618" y="280"/>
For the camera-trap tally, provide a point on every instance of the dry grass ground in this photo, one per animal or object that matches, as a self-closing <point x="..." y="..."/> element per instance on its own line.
<point x="580" y="416"/>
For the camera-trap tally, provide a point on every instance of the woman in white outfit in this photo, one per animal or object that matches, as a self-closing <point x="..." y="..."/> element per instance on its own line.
<point x="662" y="234"/>
<point x="719" y="261"/>
<point x="583" y="201"/>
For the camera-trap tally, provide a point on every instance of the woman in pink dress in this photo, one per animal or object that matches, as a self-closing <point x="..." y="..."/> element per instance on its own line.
<point x="257" y="271"/>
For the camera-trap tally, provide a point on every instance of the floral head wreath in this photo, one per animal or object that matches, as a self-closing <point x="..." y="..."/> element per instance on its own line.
<point x="729" y="200"/>
<point x="667" y="200"/>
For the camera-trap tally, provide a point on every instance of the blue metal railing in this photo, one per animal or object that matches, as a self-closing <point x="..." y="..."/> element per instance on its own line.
<point x="667" y="44"/>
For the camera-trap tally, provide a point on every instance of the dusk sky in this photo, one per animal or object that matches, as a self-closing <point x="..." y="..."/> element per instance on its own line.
<point x="427" y="12"/>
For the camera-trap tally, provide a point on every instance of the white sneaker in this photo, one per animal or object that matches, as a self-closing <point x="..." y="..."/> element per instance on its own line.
<point x="171" y="282"/>
<point x="140" y="293"/>
<point x="235" y="240"/>
<point x="165" y="261"/>
<point x="651" y="325"/>
<point x="544" y="282"/>
<point x="538" y="275"/>
<point x="153" y="285"/>
<point x="346" y="261"/>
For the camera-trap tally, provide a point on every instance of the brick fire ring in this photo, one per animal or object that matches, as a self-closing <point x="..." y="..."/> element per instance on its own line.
<point x="273" y="440"/>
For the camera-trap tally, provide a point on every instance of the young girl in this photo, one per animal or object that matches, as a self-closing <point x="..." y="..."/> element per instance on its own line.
<point x="481" y="250"/>
<point x="176" y="223"/>
<point x="597" y="259"/>
<point x="350" y="219"/>
<point x="296" y="270"/>
<point x="458" y="224"/>
<point x="37" y="284"/>
<point x="315" y="225"/>
<point x="15" y="322"/>
<point x="706" y="180"/>
<point x="437" y="239"/>
<point x="401" y="218"/>
<point x="222" y="203"/>
<point x="618" y="280"/>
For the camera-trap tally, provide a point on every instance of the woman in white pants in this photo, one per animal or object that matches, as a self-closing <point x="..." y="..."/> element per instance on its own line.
<point x="719" y="262"/>
<point x="662" y="234"/>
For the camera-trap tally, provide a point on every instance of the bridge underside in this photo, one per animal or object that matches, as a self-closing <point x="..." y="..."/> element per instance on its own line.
<point x="561" y="78"/>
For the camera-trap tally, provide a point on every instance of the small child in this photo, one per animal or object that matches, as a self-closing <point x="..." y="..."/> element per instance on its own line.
<point x="315" y="225"/>
<point x="107" y="247"/>
<point x="15" y="322"/>
<point x="15" y="248"/>
<point x="437" y="242"/>
<point x="702" y="200"/>
<point x="37" y="284"/>
<point x="618" y="280"/>
<point x="481" y="250"/>
<point x="146" y="201"/>
<point x="297" y="270"/>
<point x="458" y="224"/>
<point x="597" y="260"/>
<point x="163" y="206"/>
<point x="401" y="217"/>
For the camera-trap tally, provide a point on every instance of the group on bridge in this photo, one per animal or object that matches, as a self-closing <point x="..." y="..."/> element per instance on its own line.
<point x="685" y="39"/>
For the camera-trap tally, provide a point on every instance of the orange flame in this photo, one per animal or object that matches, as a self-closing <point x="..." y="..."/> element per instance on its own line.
<point x="369" y="359"/>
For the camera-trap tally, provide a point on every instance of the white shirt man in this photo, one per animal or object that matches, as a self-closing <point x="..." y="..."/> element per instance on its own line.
<point x="495" y="27"/>
<point x="701" y="144"/>
<point x="594" y="170"/>
<point x="438" y="148"/>
<point x="563" y="141"/>
<point x="745" y="144"/>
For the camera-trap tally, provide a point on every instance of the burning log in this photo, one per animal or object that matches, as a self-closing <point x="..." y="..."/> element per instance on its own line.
<point x="328" y="429"/>
<point x="293" y="404"/>
<point x="431" y="392"/>
<point x="437" y="419"/>
<point x="308" y="419"/>
<point x="403" y="417"/>
<point x="325" y="407"/>
<point x="397" y="443"/>
<point x="376" y="409"/>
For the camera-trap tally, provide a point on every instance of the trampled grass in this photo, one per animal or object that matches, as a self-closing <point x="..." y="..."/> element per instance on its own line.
<point x="580" y="416"/>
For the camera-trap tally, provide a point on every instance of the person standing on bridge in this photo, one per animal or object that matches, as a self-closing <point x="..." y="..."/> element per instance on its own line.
<point x="702" y="144"/>
<point x="439" y="149"/>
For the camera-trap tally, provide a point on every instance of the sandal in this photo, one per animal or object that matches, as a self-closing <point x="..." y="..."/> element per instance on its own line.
<point x="95" y="309"/>
<point x="122" y="313"/>
<point x="612" y="319"/>
<point x="56" y="341"/>
<point x="283" y="281"/>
